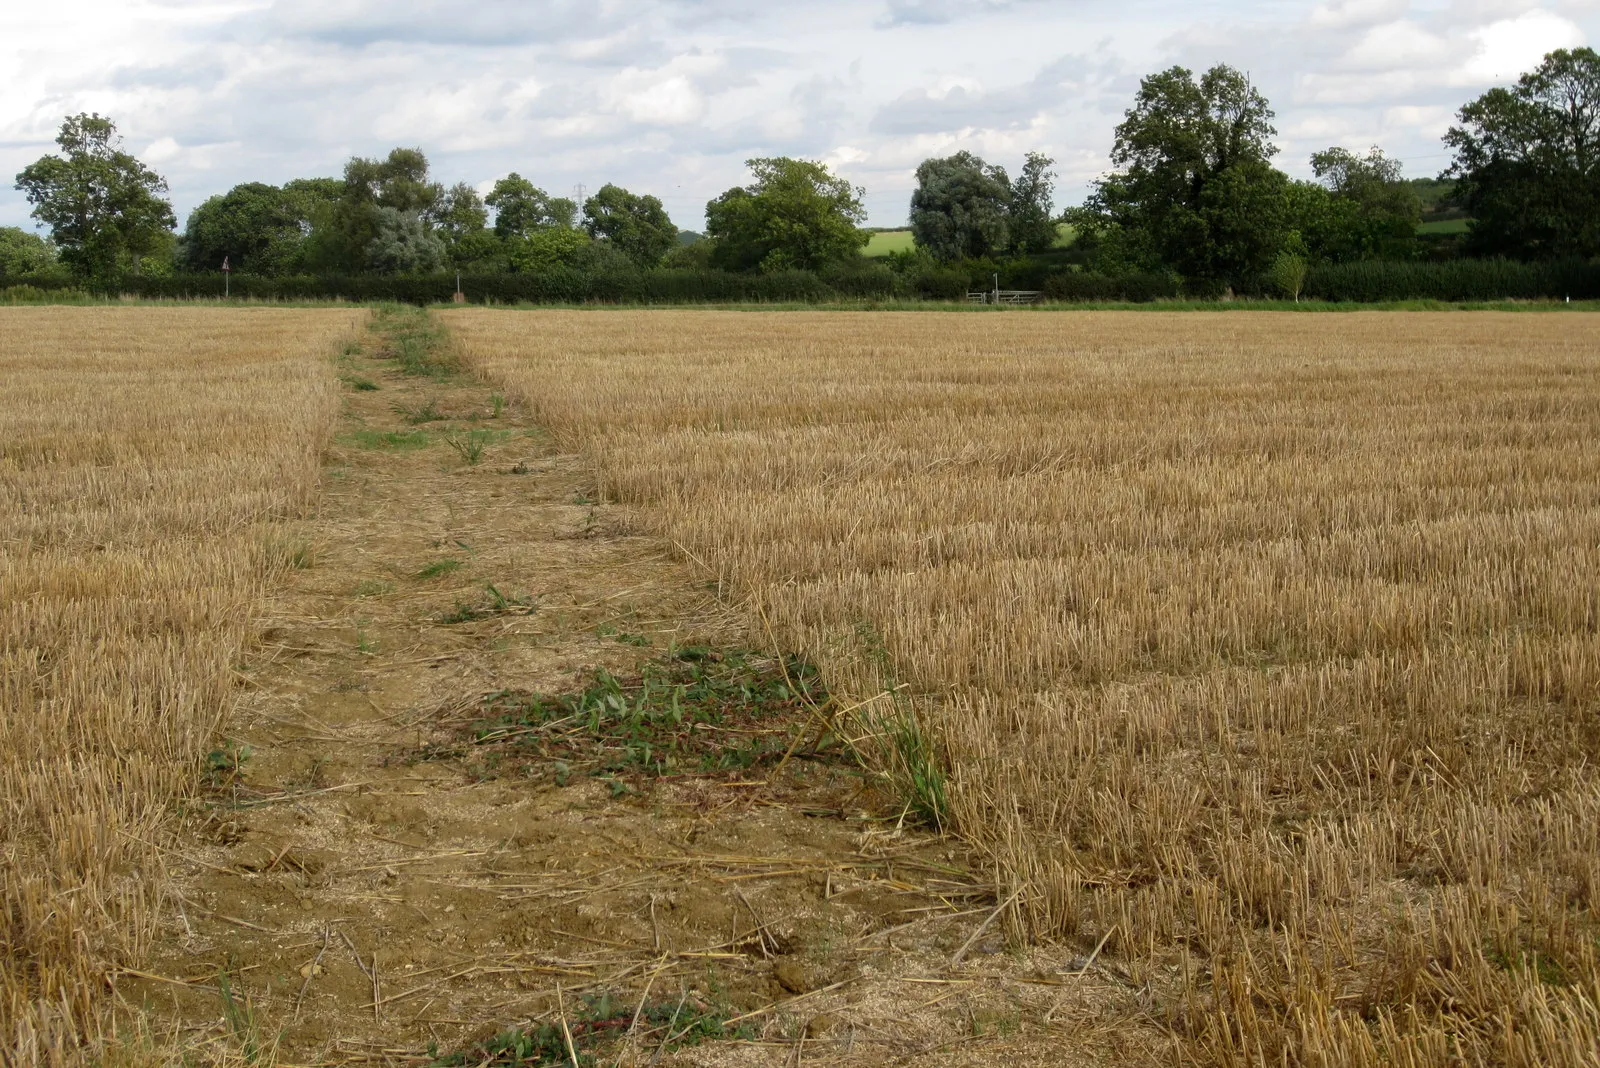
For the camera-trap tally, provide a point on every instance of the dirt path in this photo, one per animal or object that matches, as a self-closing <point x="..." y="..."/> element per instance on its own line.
<point x="372" y="882"/>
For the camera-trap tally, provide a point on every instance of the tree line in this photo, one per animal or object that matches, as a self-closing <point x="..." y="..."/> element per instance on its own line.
<point x="1194" y="199"/>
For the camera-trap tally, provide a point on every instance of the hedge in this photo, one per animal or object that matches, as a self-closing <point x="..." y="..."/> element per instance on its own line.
<point x="1367" y="282"/>
<point x="1453" y="280"/>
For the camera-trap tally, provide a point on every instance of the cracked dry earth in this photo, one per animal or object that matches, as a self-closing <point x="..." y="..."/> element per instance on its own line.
<point x="368" y="891"/>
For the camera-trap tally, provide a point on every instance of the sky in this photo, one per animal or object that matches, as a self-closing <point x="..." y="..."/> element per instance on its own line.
<point x="670" y="97"/>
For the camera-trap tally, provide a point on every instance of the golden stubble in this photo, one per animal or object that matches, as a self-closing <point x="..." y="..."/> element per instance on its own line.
<point x="1262" y="647"/>
<point x="145" y="456"/>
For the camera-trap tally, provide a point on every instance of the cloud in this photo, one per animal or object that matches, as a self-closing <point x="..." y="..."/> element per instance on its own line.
<point x="671" y="96"/>
<point x="940" y="12"/>
<point x="1510" y="46"/>
<point x="964" y="104"/>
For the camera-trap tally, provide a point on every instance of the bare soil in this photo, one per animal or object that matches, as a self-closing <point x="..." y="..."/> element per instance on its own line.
<point x="366" y="885"/>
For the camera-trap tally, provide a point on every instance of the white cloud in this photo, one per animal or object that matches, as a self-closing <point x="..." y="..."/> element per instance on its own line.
<point x="671" y="96"/>
<point x="1509" y="47"/>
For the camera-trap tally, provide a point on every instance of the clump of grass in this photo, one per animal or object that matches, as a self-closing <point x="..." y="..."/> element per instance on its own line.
<point x="446" y="566"/>
<point x="469" y="446"/>
<point x="594" y="1025"/>
<point x="493" y="603"/>
<point x="373" y="588"/>
<point x="608" y="630"/>
<point x="415" y="340"/>
<point x="391" y="439"/>
<point x="423" y="413"/>
<point x="359" y="384"/>
<point x="498" y="400"/>
<point x="694" y="710"/>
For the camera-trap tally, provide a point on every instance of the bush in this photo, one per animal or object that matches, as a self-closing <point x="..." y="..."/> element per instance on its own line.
<point x="1453" y="280"/>
<point x="1089" y="286"/>
<point x="30" y="294"/>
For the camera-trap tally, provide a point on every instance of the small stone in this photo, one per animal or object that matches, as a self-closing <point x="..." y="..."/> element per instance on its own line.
<point x="309" y="969"/>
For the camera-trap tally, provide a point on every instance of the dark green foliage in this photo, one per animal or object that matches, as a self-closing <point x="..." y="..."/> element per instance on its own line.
<point x="694" y="710"/>
<point x="1361" y="209"/>
<point x="1527" y="161"/>
<point x="105" y="209"/>
<point x="1095" y="288"/>
<point x="24" y="253"/>
<point x="258" y="228"/>
<point x="636" y="225"/>
<point x="380" y="219"/>
<point x="961" y="208"/>
<point x="1196" y="192"/>
<point x="795" y="215"/>
<point x="1033" y="224"/>
<point x="522" y="208"/>
<point x="1454" y="280"/>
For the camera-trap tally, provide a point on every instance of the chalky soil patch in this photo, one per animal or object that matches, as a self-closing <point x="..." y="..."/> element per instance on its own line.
<point x="506" y="785"/>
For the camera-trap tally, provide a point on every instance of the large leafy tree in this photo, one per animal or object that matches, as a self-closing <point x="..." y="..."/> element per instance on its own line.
<point x="105" y="209"/>
<point x="348" y="228"/>
<point x="257" y="227"/>
<point x="1360" y="208"/>
<point x="22" y="253"/>
<point x="637" y="226"/>
<point x="403" y="242"/>
<point x="1196" y="191"/>
<point x="796" y="214"/>
<point x="521" y="208"/>
<point x="1032" y="218"/>
<point x="961" y="207"/>
<point x="1527" y="161"/>
<point x="461" y="219"/>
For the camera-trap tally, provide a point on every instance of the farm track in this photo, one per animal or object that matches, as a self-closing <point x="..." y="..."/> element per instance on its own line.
<point x="360" y="888"/>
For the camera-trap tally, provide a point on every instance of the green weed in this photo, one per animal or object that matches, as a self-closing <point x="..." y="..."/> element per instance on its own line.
<point x="359" y="384"/>
<point x="469" y="445"/>
<point x="390" y="439"/>
<point x="493" y="603"/>
<point x="240" y="1016"/>
<point x="607" y="630"/>
<point x="373" y="588"/>
<point x="426" y="413"/>
<point x="447" y="566"/>
<point x="225" y="764"/>
<point x="667" y="1024"/>
<point x="415" y="340"/>
<point x="499" y="402"/>
<point x="694" y="710"/>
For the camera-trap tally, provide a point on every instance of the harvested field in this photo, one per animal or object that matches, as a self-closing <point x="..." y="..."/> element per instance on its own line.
<point x="1260" y="651"/>
<point x="145" y="456"/>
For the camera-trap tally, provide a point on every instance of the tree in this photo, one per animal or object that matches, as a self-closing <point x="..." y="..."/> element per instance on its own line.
<point x="1032" y="219"/>
<point x="638" y="226"/>
<point x="1527" y="161"/>
<point x="344" y="231"/>
<point x="104" y="208"/>
<point x="794" y="215"/>
<point x="1197" y="192"/>
<point x="1377" y="208"/>
<point x="258" y="228"/>
<point x="24" y="253"/>
<point x="961" y="207"/>
<point x="544" y="248"/>
<point x="520" y="208"/>
<point x="402" y="243"/>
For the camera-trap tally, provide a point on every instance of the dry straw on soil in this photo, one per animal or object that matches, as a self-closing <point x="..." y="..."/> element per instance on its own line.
<point x="144" y="454"/>
<point x="1263" y="647"/>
